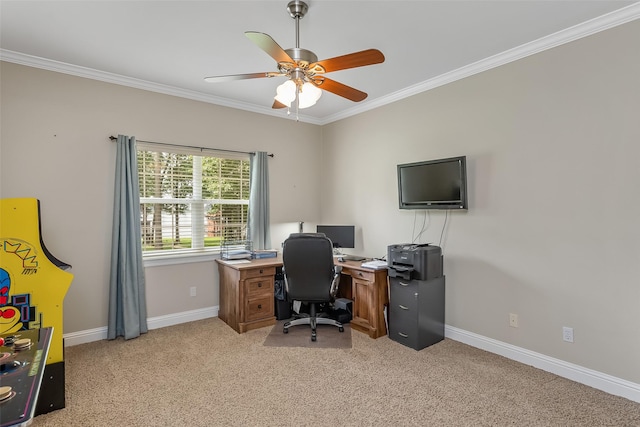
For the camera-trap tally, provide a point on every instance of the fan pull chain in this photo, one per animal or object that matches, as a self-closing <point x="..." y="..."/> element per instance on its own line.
<point x="297" y="99"/>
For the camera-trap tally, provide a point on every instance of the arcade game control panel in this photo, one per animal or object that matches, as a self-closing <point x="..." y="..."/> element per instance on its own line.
<point x="23" y="357"/>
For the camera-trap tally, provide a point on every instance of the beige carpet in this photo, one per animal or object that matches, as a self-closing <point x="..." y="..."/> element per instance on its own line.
<point x="328" y="336"/>
<point x="205" y="374"/>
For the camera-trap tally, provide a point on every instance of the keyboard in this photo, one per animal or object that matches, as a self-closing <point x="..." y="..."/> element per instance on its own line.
<point x="352" y="258"/>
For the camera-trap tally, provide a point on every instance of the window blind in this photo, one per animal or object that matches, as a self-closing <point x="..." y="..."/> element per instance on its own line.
<point x="191" y="201"/>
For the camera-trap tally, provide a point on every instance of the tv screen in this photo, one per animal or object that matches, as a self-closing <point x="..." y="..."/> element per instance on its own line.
<point x="342" y="236"/>
<point x="433" y="184"/>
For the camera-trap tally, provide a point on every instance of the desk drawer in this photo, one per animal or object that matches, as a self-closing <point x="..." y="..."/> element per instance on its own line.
<point x="367" y="276"/>
<point x="259" y="272"/>
<point x="259" y="286"/>
<point x="259" y="308"/>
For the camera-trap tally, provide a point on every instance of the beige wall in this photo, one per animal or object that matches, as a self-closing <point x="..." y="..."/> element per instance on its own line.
<point x="552" y="144"/>
<point x="55" y="147"/>
<point x="551" y="233"/>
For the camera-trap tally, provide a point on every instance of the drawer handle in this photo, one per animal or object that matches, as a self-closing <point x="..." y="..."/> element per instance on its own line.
<point x="403" y="335"/>
<point x="260" y="306"/>
<point x="403" y="284"/>
<point x="403" y="307"/>
<point x="259" y="284"/>
<point x="261" y="271"/>
<point x="359" y="273"/>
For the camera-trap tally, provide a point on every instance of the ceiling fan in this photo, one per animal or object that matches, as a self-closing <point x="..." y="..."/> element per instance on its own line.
<point x="305" y="74"/>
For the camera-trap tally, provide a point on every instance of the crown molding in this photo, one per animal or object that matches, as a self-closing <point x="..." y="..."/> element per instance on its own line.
<point x="90" y="73"/>
<point x="601" y="23"/>
<point x="587" y="28"/>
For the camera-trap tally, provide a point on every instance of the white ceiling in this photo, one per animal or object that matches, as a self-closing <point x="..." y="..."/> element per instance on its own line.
<point x="170" y="46"/>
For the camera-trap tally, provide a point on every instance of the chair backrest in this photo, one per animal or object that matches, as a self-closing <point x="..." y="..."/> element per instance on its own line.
<point x="308" y="267"/>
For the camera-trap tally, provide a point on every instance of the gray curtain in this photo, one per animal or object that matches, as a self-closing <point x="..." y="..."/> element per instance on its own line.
<point x="259" y="232"/>
<point x="127" y="297"/>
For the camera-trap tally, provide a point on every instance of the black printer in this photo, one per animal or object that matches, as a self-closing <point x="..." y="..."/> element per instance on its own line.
<point x="414" y="261"/>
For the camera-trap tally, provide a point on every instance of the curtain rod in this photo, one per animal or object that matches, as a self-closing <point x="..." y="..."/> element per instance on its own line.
<point x="113" y="138"/>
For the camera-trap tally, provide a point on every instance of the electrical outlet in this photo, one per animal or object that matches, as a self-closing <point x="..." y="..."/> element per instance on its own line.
<point x="567" y="334"/>
<point x="192" y="291"/>
<point x="513" y="320"/>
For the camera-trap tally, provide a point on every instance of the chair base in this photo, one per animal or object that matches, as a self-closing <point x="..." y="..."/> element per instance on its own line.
<point x="312" y="320"/>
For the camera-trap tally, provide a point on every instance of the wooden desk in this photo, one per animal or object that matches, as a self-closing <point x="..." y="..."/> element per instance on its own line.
<point x="247" y="302"/>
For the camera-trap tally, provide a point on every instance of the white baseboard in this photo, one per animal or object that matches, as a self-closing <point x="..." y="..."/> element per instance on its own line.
<point x="595" y="379"/>
<point x="579" y="374"/>
<point x="184" y="317"/>
<point x="97" y="334"/>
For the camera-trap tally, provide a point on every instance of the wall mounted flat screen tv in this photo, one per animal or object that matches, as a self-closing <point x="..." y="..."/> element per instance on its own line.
<point x="433" y="184"/>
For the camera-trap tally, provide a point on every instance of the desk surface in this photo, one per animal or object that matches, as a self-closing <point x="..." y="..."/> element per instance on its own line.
<point x="277" y="262"/>
<point x="246" y="264"/>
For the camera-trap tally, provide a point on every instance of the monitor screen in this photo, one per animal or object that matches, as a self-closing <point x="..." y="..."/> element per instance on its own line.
<point x="342" y="236"/>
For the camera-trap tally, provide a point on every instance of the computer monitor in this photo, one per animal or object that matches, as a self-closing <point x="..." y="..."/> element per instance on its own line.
<point x="342" y="236"/>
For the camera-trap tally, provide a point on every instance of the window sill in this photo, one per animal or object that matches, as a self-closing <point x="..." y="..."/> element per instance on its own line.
<point x="171" y="259"/>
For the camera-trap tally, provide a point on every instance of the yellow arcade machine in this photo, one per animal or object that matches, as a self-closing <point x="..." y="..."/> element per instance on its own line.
<point x="33" y="284"/>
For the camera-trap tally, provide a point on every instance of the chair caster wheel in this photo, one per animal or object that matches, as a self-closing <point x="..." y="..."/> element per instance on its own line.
<point x="285" y="330"/>
<point x="341" y="329"/>
<point x="313" y="337"/>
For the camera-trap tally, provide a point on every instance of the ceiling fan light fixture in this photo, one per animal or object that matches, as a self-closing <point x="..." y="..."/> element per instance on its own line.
<point x="308" y="95"/>
<point x="286" y="93"/>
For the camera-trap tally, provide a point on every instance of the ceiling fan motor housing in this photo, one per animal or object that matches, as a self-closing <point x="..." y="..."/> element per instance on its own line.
<point x="297" y="9"/>
<point x="302" y="56"/>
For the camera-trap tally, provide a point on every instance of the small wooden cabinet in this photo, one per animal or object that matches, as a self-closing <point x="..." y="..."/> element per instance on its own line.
<point x="368" y="290"/>
<point x="246" y="293"/>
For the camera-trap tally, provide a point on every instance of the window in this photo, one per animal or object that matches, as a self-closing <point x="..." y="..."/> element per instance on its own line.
<point x="190" y="201"/>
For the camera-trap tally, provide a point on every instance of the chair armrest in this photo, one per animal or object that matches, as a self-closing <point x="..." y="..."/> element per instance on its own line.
<point x="336" y="280"/>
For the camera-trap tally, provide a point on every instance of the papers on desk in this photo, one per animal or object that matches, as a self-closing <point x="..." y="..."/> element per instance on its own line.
<point x="375" y="264"/>
<point x="237" y="254"/>
<point x="237" y="261"/>
<point x="261" y="254"/>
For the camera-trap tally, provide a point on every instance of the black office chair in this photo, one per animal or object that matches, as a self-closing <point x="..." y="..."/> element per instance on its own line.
<point x="310" y="276"/>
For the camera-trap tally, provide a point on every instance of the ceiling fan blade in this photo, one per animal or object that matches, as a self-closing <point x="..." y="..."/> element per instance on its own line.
<point x="232" y="77"/>
<point x="339" y="89"/>
<point x="278" y="104"/>
<point x="352" y="60"/>
<point x="266" y="43"/>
